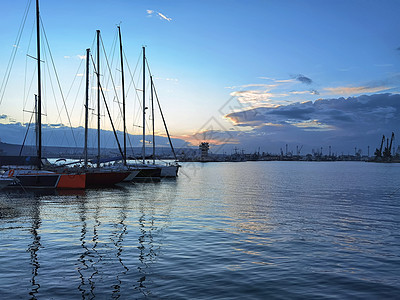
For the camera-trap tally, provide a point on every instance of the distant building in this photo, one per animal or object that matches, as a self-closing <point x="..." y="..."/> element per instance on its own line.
<point x="204" y="146"/>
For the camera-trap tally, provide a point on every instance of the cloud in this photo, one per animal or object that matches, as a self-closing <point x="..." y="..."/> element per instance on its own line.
<point x="299" y="92"/>
<point x="343" y="123"/>
<point x="253" y="97"/>
<point x="311" y="92"/>
<point x="303" y="79"/>
<point x="261" y="85"/>
<point x="363" y="111"/>
<point x="81" y="56"/>
<point x="67" y="56"/>
<point x="284" y="80"/>
<point x="167" y="79"/>
<point x="161" y="15"/>
<point x="278" y="80"/>
<point x="55" y="125"/>
<point x="271" y="94"/>
<point x="213" y="137"/>
<point x="355" y="90"/>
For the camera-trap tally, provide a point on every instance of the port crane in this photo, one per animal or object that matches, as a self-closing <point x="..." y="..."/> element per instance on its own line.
<point x="387" y="153"/>
<point x="298" y="150"/>
<point x="378" y="152"/>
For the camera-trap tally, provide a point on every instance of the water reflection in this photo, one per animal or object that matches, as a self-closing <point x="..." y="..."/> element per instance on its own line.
<point x="97" y="243"/>
<point x="89" y="257"/>
<point x="118" y="238"/>
<point x="32" y="193"/>
<point x="34" y="246"/>
<point x="147" y="253"/>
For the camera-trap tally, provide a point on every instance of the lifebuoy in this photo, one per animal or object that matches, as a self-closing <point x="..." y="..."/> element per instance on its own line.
<point x="11" y="173"/>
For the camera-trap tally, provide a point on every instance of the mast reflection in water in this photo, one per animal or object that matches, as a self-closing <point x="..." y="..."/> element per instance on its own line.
<point x="35" y="246"/>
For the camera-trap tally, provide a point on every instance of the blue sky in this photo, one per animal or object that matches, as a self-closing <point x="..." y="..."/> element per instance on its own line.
<point x="212" y="59"/>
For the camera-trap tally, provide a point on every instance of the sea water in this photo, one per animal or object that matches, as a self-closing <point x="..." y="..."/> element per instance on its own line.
<point x="246" y="230"/>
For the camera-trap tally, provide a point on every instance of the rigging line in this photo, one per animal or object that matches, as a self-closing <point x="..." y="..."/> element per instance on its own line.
<point x="130" y="72"/>
<point x="14" y="52"/>
<point x="133" y="81"/>
<point x="76" y="75"/>
<point x="30" y="87"/>
<point x="25" y="99"/>
<point x="114" y="47"/>
<point x="58" y="81"/>
<point x="165" y="124"/>
<point x="129" y="141"/>
<point x="136" y="93"/>
<point x="26" y="134"/>
<point x="51" y="85"/>
<point x="109" y="115"/>
<point x="54" y="96"/>
<point x="77" y="93"/>
<point x="111" y="77"/>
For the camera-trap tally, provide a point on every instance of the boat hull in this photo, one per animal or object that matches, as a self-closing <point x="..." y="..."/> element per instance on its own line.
<point x="131" y="176"/>
<point x="28" y="178"/>
<point x="46" y="181"/>
<point x="72" y="181"/>
<point x="147" y="174"/>
<point x="51" y="181"/>
<point x="169" y="171"/>
<point x="101" y="179"/>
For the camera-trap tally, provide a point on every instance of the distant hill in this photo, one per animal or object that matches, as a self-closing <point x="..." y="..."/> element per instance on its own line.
<point x="60" y="135"/>
<point x="61" y="141"/>
<point x="77" y="152"/>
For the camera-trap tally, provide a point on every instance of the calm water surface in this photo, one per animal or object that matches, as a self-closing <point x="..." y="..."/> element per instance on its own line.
<point x="251" y="230"/>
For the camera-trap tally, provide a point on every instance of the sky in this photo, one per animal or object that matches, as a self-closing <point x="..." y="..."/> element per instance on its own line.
<point x="252" y="75"/>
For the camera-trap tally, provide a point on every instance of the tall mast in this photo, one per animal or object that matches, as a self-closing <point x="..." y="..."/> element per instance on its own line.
<point x="39" y="95"/>
<point x="152" y="119"/>
<point x="36" y="123"/>
<point x="144" y="106"/>
<point x="98" y="98"/>
<point x="86" y="107"/>
<point x="123" y="92"/>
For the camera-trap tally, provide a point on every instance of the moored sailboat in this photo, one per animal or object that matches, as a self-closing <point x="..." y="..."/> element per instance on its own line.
<point x="99" y="176"/>
<point x="37" y="177"/>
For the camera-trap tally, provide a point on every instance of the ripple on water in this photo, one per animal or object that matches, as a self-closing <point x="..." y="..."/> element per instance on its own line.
<point x="270" y="230"/>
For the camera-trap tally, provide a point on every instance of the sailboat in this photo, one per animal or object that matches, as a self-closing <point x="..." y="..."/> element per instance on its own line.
<point x="146" y="170"/>
<point x="99" y="176"/>
<point x="38" y="177"/>
<point x="139" y="172"/>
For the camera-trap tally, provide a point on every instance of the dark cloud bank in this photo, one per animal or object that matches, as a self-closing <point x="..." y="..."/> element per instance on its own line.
<point x="342" y="123"/>
<point x="303" y="79"/>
